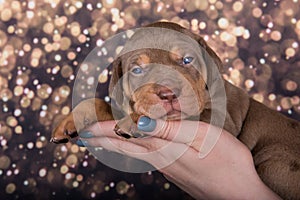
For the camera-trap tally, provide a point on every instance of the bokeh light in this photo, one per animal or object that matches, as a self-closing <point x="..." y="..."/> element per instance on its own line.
<point x="42" y="45"/>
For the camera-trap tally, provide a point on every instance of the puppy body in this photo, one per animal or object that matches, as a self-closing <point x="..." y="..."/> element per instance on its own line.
<point x="273" y="139"/>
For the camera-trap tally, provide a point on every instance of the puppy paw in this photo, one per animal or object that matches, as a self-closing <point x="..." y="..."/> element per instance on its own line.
<point x="64" y="131"/>
<point x="127" y="127"/>
<point x="84" y="114"/>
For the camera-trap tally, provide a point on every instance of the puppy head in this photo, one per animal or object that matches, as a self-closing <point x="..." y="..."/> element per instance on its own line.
<point x="164" y="71"/>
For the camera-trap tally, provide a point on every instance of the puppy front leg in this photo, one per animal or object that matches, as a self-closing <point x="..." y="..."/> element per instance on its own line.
<point x="84" y="114"/>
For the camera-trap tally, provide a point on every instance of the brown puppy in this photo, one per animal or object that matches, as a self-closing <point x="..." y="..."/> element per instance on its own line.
<point x="163" y="74"/>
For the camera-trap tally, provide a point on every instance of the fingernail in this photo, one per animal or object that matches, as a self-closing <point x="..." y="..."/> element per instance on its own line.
<point x="82" y="143"/>
<point x="146" y="124"/>
<point x="86" y="134"/>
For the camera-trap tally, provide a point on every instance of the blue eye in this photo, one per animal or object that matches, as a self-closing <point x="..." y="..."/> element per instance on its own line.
<point x="137" y="70"/>
<point x="187" y="60"/>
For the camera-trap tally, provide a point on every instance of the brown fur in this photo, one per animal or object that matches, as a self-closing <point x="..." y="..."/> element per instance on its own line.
<point x="273" y="139"/>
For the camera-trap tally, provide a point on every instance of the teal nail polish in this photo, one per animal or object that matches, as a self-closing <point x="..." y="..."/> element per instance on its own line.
<point x="82" y="143"/>
<point x="146" y="124"/>
<point x="86" y="134"/>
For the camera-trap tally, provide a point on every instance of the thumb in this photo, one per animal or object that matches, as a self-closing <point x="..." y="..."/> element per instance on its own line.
<point x="177" y="131"/>
<point x="199" y="135"/>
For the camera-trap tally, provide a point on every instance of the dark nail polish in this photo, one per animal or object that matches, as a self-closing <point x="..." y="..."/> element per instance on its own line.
<point x="81" y="143"/>
<point x="146" y="124"/>
<point x="86" y="134"/>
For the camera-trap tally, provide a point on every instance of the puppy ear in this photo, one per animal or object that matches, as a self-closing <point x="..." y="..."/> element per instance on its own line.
<point x="115" y="88"/>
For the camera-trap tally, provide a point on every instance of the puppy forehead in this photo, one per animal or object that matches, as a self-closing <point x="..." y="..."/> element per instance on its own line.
<point x="159" y="38"/>
<point x="143" y="58"/>
<point x="147" y="56"/>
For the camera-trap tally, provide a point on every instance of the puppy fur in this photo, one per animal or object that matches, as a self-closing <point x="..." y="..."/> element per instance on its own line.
<point x="273" y="139"/>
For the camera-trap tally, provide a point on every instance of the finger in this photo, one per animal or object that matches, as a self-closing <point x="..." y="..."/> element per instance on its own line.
<point x="119" y="145"/>
<point x="146" y="124"/>
<point x="100" y="129"/>
<point x="93" y="139"/>
<point x="199" y="135"/>
<point x="133" y="145"/>
<point x="176" y="131"/>
<point x="160" y="153"/>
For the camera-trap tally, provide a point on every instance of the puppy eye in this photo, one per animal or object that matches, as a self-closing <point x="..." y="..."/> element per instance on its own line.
<point x="187" y="60"/>
<point x="137" y="70"/>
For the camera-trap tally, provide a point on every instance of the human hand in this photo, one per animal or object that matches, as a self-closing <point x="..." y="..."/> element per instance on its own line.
<point x="227" y="172"/>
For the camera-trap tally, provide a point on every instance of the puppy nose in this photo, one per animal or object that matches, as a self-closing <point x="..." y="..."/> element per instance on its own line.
<point x="167" y="94"/>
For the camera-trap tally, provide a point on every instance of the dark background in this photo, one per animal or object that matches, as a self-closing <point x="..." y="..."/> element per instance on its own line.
<point x="43" y="43"/>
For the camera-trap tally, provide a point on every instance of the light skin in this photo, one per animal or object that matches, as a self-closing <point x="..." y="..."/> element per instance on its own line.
<point x="227" y="172"/>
